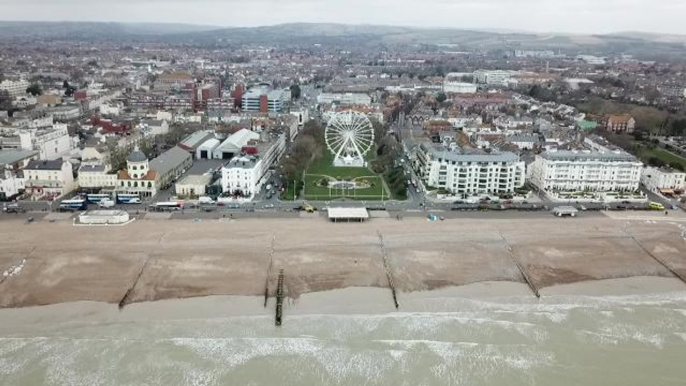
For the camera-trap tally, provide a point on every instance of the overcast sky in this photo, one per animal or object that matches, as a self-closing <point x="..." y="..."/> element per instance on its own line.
<point x="577" y="16"/>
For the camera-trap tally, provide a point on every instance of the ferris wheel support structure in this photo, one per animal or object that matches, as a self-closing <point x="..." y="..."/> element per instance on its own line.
<point x="349" y="136"/>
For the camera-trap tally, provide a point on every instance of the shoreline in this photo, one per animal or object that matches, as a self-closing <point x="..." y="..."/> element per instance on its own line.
<point x="338" y="302"/>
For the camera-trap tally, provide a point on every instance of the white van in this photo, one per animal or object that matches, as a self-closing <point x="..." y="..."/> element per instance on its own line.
<point x="106" y="203"/>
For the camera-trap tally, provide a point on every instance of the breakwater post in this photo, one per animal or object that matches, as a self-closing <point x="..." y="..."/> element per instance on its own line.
<point x="279" y="298"/>
<point x="520" y="267"/>
<point x="387" y="269"/>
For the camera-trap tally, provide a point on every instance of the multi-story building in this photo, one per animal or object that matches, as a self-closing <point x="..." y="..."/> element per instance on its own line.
<point x="263" y="99"/>
<point x="95" y="175"/>
<point x="663" y="179"/>
<point x="344" y="98"/>
<point x="48" y="178"/>
<point x="467" y="173"/>
<point x="493" y="77"/>
<point x="244" y="175"/>
<point x="51" y="143"/>
<point x="174" y="80"/>
<point x="579" y="170"/>
<point x="15" y="88"/>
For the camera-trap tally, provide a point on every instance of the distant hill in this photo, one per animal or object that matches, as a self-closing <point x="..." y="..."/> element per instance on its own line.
<point x="643" y="45"/>
<point x="85" y="30"/>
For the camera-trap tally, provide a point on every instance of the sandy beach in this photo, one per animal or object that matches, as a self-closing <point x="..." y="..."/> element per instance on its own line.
<point x="154" y="260"/>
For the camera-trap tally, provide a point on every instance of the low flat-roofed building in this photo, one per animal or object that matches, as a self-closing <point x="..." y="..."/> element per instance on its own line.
<point x="16" y="159"/>
<point x="347" y="214"/>
<point x="193" y="185"/>
<point x="104" y="217"/>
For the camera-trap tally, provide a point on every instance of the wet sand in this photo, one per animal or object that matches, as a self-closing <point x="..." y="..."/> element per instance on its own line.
<point x="176" y="259"/>
<point x="347" y="301"/>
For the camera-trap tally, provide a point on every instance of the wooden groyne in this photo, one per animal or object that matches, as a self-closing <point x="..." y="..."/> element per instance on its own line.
<point x="279" y="299"/>
<point x="664" y="264"/>
<point x="387" y="269"/>
<point x="125" y="300"/>
<point x="520" y="267"/>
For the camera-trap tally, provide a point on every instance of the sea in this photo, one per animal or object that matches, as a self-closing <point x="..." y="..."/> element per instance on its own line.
<point x="556" y="341"/>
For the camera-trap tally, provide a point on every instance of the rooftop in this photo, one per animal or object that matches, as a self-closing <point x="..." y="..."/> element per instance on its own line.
<point x="348" y="213"/>
<point x="92" y="168"/>
<point x="45" y="165"/>
<point x="588" y="155"/>
<point x="196" y="139"/>
<point x="10" y="156"/>
<point x="169" y="160"/>
<point x="442" y="152"/>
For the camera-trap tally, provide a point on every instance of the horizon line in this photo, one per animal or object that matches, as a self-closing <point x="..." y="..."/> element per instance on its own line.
<point x="477" y="29"/>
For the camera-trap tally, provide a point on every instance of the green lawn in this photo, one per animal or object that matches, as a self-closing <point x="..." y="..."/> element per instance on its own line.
<point x="324" y="168"/>
<point x="662" y="154"/>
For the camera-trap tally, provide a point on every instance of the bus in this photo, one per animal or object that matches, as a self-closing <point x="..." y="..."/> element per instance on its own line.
<point x="74" y="204"/>
<point x="129" y="198"/>
<point x="96" y="198"/>
<point x="166" y="206"/>
<point x="656" y="206"/>
<point x="562" y="211"/>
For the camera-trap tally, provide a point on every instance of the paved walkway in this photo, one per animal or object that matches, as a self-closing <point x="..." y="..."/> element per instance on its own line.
<point x="674" y="216"/>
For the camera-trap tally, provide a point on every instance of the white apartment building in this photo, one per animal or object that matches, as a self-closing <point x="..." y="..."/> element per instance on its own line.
<point x="573" y="170"/>
<point x="36" y="121"/>
<point x="15" y="88"/>
<point x="348" y="98"/>
<point x="469" y="173"/>
<point x="656" y="179"/>
<point x="450" y="86"/>
<point x="240" y="176"/>
<point x="51" y="143"/>
<point x="493" y="77"/>
<point x="95" y="176"/>
<point x="51" y="179"/>
<point x="244" y="175"/>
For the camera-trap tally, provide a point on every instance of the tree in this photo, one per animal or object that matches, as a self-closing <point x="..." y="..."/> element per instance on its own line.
<point x="295" y="91"/>
<point x="34" y="89"/>
<point x="656" y="162"/>
<point x="441" y="97"/>
<point x="379" y="130"/>
<point x="5" y="100"/>
<point x="677" y="127"/>
<point x="677" y="165"/>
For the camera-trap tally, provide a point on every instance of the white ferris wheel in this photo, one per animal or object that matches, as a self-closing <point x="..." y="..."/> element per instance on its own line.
<point x="349" y="136"/>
